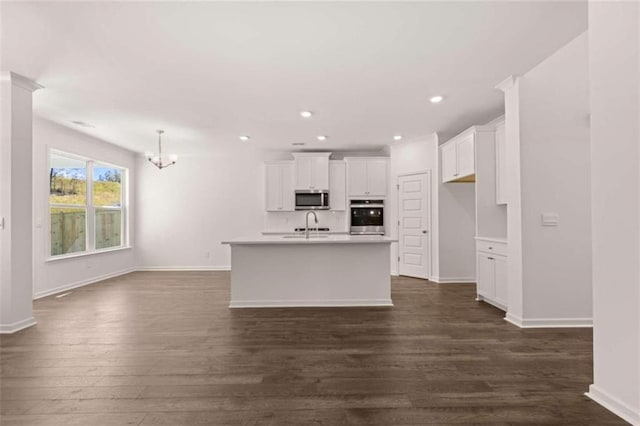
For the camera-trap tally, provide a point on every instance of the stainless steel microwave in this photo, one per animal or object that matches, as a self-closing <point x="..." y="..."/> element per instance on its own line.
<point x="312" y="199"/>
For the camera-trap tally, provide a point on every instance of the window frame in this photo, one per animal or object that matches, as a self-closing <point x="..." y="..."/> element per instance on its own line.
<point x="90" y="207"/>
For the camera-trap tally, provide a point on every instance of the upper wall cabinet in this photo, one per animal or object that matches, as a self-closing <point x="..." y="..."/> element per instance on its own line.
<point x="367" y="177"/>
<point x="279" y="192"/>
<point x="458" y="158"/>
<point x="312" y="170"/>
<point x="501" y="165"/>
<point x="337" y="185"/>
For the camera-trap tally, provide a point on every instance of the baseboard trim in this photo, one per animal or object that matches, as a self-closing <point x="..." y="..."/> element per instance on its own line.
<point x="614" y="405"/>
<point x="454" y="280"/>
<point x="549" y="322"/>
<point x="494" y="303"/>
<point x="82" y="283"/>
<point x="17" y="326"/>
<point x="309" y="303"/>
<point x="182" y="268"/>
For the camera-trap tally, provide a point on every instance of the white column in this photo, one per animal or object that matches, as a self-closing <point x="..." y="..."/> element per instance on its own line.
<point x="511" y="89"/>
<point x="614" y="66"/>
<point x="16" y="202"/>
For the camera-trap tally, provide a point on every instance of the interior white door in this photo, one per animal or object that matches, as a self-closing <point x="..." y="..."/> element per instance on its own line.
<point x="414" y="212"/>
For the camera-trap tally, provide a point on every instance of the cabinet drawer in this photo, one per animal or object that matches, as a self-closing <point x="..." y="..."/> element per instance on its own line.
<point x="498" y="248"/>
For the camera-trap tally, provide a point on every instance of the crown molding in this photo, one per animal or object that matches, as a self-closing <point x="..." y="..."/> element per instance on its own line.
<point x="507" y="83"/>
<point x="20" y="81"/>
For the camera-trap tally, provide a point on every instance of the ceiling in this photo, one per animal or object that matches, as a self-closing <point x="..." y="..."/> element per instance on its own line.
<point x="208" y="72"/>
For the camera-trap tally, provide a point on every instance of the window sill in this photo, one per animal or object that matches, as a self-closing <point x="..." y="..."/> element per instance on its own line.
<point x="89" y="253"/>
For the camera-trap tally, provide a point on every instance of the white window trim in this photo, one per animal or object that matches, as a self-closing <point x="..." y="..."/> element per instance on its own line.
<point x="90" y="230"/>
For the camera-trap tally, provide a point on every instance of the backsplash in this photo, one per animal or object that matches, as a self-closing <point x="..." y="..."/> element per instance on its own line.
<point x="287" y="221"/>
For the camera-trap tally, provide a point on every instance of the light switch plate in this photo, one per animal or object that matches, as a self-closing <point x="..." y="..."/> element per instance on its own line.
<point x="550" y="219"/>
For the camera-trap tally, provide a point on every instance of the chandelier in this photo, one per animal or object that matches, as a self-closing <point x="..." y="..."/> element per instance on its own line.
<point x="158" y="161"/>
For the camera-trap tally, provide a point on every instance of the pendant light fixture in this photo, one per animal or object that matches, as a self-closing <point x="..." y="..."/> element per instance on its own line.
<point x="158" y="161"/>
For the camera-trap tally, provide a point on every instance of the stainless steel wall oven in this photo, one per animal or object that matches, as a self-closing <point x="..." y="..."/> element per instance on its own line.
<point x="367" y="217"/>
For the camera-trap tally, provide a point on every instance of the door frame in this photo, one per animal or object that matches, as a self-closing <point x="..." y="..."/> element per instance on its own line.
<point x="426" y="172"/>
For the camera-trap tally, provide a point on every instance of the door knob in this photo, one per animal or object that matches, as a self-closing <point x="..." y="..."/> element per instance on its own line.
<point x="424" y="231"/>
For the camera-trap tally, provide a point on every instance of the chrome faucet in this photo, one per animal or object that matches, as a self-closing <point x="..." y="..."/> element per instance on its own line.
<point x="306" y="229"/>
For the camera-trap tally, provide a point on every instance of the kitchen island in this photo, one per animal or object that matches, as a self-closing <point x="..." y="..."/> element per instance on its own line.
<point x="322" y="270"/>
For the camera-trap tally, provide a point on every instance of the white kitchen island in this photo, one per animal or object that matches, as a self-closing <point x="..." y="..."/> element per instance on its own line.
<point x="324" y="270"/>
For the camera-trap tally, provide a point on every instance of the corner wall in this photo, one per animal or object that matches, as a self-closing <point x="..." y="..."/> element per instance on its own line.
<point x="555" y="178"/>
<point x="548" y="167"/>
<point x="614" y="61"/>
<point x="54" y="276"/>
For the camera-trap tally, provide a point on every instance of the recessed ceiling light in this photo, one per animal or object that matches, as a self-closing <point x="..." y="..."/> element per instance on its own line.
<point x="298" y="144"/>
<point x="397" y="138"/>
<point x="83" y="124"/>
<point x="306" y="114"/>
<point x="436" y="99"/>
<point x="322" y="138"/>
<point x="244" y="138"/>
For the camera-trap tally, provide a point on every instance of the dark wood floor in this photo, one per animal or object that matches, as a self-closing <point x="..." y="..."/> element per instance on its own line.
<point x="163" y="348"/>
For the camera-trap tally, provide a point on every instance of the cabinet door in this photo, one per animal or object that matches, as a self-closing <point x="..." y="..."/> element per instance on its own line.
<point x="377" y="177"/>
<point x="303" y="167"/>
<point x="466" y="157"/>
<point x="486" y="275"/>
<point x="337" y="185"/>
<point x="449" y="162"/>
<point x="319" y="173"/>
<point x="273" y="196"/>
<point x="357" y="177"/>
<point x="287" y="187"/>
<point x="501" y="165"/>
<point x="501" y="283"/>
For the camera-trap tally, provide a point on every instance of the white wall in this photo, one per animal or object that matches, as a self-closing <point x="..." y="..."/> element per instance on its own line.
<point x="58" y="275"/>
<point x="186" y="210"/>
<point x="614" y="61"/>
<point x="555" y="178"/>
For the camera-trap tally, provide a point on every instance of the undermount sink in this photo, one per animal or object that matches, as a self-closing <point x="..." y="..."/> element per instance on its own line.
<point x="303" y="236"/>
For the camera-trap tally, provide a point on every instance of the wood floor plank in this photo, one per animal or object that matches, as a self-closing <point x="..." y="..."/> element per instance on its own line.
<point x="163" y="348"/>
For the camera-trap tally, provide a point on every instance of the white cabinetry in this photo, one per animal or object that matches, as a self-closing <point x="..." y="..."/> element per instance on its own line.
<point x="337" y="185"/>
<point x="501" y="165"/>
<point x="312" y="170"/>
<point x="458" y="157"/>
<point x="367" y="177"/>
<point x="492" y="285"/>
<point x="279" y="186"/>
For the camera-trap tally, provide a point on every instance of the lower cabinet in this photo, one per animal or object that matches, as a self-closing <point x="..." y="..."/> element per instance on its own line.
<point x="491" y="264"/>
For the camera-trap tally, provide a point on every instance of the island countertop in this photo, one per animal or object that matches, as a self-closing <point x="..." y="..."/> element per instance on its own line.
<point x="313" y="239"/>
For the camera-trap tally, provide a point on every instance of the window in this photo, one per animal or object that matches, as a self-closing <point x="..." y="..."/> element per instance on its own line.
<point x="86" y="205"/>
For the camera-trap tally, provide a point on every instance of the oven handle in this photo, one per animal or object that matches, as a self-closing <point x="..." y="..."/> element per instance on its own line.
<point x="366" y="206"/>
